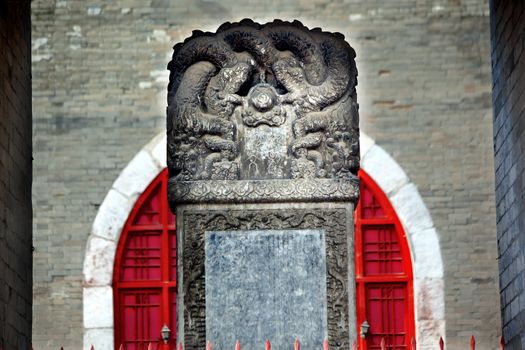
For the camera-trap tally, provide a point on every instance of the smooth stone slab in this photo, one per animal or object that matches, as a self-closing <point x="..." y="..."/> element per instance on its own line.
<point x="266" y="284"/>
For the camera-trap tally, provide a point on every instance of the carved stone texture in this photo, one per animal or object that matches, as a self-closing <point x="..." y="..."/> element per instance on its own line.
<point x="263" y="102"/>
<point x="261" y="191"/>
<point x="332" y="221"/>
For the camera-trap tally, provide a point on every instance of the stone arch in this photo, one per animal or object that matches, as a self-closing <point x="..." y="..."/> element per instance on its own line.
<point x="146" y="165"/>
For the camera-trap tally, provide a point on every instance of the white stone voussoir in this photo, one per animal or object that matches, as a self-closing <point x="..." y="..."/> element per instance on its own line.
<point x="365" y="143"/>
<point x="99" y="338"/>
<point x="137" y="175"/>
<point x="425" y="249"/>
<point x="112" y="215"/>
<point x="386" y="172"/>
<point x="98" y="269"/>
<point x="158" y="150"/>
<point x="98" y="307"/>
<point x="411" y="209"/>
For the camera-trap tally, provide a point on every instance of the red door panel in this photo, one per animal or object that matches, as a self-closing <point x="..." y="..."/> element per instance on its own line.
<point x="386" y="315"/>
<point x="384" y="281"/>
<point x="381" y="252"/>
<point x="145" y="274"/>
<point x="140" y="318"/>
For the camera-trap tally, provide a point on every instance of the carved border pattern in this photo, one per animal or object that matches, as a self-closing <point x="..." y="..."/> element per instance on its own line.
<point x="332" y="221"/>
<point x="263" y="191"/>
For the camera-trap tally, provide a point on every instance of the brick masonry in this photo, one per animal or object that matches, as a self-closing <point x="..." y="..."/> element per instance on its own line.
<point x="508" y="72"/>
<point x="99" y="90"/>
<point x="15" y="175"/>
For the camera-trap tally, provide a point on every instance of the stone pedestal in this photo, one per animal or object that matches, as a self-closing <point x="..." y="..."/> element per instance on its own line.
<point x="263" y="155"/>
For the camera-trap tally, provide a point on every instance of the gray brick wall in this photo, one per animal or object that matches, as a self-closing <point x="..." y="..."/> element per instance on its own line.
<point x="15" y="175"/>
<point x="425" y="95"/>
<point x="508" y="73"/>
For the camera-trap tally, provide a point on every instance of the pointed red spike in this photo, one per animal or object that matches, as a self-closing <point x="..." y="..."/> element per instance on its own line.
<point x="441" y="343"/>
<point x="150" y="347"/>
<point x="383" y="343"/>
<point x="472" y="343"/>
<point x="296" y="344"/>
<point x="326" y="346"/>
<point x="121" y="347"/>
<point x="181" y="347"/>
<point x="354" y="345"/>
<point x="61" y="348"/>
<point x="267" y="345"/>
<point x="92" y="348"/>
<point x="413" y="343"/>
<point x="208" y="345"/>
<point x="237" y="345"/>
<point x="502" y="343"/>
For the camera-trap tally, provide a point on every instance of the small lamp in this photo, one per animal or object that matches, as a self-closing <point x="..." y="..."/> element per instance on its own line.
<point x="364" y="329"/>
<point x="165" y="332"/>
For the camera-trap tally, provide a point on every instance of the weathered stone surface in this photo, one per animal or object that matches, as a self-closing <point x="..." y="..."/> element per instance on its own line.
<point x="268" y="284"/>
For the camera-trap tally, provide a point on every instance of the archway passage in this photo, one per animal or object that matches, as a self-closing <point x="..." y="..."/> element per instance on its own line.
<point x="145" y="274"/>
<point x="383" y="267"/>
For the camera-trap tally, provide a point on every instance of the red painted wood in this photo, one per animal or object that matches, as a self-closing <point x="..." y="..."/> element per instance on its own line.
<point x="144" y="278"/>
<point x="383" y="265"/>
<point x="296" y="344"/>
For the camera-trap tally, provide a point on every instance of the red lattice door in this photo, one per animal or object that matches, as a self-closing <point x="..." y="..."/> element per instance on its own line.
<point x="383" y="272"/>
<point x="144" y="279"/>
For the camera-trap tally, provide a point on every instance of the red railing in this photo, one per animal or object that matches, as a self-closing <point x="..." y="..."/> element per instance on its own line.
<point x="297" y="345"/>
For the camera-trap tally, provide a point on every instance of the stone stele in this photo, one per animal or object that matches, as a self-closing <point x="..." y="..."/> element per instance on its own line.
<point x="263" y="146"/>
<point x="267" y="284"/>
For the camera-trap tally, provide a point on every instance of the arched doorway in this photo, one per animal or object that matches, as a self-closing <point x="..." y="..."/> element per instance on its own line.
<point x="145" y="274"/>
<point x="402" y="194"/>
<point x="383" y="267"/>
<point x="144" y="279"/>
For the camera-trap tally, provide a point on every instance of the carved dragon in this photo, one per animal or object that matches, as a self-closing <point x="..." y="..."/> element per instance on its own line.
<point x="263" y="75"/>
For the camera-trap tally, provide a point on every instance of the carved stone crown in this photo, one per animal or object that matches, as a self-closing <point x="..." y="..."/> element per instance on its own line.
<point x="263" y="113"/>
